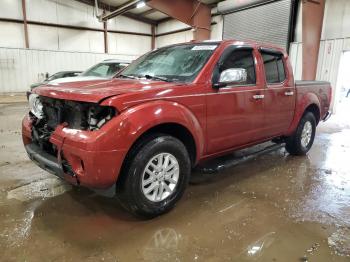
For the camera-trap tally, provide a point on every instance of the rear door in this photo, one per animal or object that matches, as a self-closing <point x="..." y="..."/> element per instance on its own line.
<point x="279" y="95"/>
<point x="235" y="112"/>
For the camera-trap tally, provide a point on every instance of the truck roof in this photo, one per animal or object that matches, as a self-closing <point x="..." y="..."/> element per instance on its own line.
<point x="251" y="43"/>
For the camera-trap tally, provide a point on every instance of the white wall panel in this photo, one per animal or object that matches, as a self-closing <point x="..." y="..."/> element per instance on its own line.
<point x="79" y="40"/>
<point x="43" y="37"/>
<point x="295" y="56"/>
<point x="21" y="67"/>
<point x="328" y="60"/>
<point x="122" y="23"/>
<point x="42" y="11"/>
<point x="298" y="34"/>
<point x="170" y="25"/>
<point x="66" y="12"/>
<point x="11" y="35"/>
<point x="74" y="13"/>
<point x="346" y="45"/>
<point x="336" y="22"/>
<point x="174" y="38"/>
<point x="73" y="40"/>
<point x="216" y="30"/>
<point x="11" y="9"/>
<point x="128" y="44"/>
<point x="96" y="42"/>
<point x="77" y="14"/>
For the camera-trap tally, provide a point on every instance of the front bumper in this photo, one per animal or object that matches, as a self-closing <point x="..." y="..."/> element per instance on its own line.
<point x="83" y="157"/>
<point x="47" y="162"/>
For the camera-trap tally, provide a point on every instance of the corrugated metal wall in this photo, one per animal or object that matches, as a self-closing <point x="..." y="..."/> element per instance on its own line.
<point x="21" y="67"/>
<point x="328" y="60"/>
<point x="71" y="49"/>
<point x="295" y="56"/>
<point x="268" y="23"/>
<point x="70" y="13"/>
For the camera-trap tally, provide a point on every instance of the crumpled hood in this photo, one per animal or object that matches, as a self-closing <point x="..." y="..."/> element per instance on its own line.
<point x="96" y="90"/>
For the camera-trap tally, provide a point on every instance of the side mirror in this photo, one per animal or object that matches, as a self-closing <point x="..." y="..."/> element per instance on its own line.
<point x="232" y="75"/>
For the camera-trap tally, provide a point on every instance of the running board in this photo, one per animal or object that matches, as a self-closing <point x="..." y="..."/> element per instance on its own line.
<point x="212" y="168"/>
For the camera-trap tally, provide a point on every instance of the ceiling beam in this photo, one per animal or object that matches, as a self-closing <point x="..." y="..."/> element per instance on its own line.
<point x="110" y="8"/>
<point x="148" y="12"/>
<point x="122" y="9"/>
<point x="191" y="12"/>
<point x="140" y="18"/>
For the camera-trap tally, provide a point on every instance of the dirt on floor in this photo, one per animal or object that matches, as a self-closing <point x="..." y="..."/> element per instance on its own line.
<point x="273" y="207"/>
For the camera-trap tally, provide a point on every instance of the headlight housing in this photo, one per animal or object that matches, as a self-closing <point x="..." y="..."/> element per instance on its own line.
<point x="36" y="106"/>
<point x="51" y="112"/>
<point x="99" y="115"/>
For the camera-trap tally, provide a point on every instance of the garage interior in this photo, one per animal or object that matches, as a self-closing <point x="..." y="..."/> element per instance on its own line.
<point x="266" y="205"/>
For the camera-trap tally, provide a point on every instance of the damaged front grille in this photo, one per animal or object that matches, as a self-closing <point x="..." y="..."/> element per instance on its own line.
<point x="75" y="115"/>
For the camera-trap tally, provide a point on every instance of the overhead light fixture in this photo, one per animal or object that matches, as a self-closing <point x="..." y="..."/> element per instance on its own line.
<point x="140" y="4"/>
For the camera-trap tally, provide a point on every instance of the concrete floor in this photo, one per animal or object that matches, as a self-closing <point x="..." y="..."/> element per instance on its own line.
<point x="272" y="208"/>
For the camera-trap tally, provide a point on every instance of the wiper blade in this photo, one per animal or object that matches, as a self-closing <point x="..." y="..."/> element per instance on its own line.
<point x="127" y="76"/>
<point x="157" y="78"/>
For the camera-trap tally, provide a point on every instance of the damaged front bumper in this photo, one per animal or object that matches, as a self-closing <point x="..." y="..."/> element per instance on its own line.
<point x="81" y="158"/>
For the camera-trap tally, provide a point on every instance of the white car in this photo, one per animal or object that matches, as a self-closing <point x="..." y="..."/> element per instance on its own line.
<point x="104" y="70"/>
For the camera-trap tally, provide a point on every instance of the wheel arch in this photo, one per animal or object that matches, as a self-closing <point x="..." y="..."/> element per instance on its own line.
<point x="315" y="110"/>
<point x="139" y="124"/>
<point x="309" y="102"/>
<point x="172" y="129"/>
<point x="175" y="130"/>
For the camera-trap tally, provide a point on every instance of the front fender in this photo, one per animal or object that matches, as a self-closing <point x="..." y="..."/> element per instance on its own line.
<point x="303" y="102"/>
<point x="135" y="121"/>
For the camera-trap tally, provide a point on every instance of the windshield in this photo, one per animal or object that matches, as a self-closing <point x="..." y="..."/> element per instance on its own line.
<point x="104" y="69"/>
<point x="173" y="63"/>
<point x="56" y="76"/>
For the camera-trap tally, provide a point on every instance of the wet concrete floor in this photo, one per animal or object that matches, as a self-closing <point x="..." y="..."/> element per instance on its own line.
<point x="274" y="207"/>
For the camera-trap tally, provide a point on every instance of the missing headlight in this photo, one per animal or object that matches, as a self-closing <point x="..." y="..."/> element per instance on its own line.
<point x="51" y="112"/>
<point x="99" y="115"/>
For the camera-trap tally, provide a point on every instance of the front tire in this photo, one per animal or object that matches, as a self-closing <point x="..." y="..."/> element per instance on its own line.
<point x="155" y="176"/>
<point x="301" y="142"/>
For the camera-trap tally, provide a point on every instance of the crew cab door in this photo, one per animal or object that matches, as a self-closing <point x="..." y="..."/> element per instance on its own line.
<point x="235" y="111"/>
<point x="279" y="95"/>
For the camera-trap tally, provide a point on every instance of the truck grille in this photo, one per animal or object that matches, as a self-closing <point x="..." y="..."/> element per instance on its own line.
<point x="56" y="112"/>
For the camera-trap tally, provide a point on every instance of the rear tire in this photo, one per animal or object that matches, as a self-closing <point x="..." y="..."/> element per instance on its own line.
<point x="155" y="176"/>
<point x="301" y="141"/>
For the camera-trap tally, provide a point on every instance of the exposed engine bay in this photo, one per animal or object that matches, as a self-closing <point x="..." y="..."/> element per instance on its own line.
<point x="47" y="113"/>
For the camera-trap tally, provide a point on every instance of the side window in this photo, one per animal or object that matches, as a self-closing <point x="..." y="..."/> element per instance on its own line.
<point x="241" y="59"/>
<point x="274" y="68"/>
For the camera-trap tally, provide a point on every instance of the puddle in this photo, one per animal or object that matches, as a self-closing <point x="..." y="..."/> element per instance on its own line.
<point x="45" y="188"/>
<point x="339" y="241"/>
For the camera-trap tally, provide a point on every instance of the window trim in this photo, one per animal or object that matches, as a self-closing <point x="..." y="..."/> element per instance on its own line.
<point x="238" y="48"/>
<point x="274" y="52"/>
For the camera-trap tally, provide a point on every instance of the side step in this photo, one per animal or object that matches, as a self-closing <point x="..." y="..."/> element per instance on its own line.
<point x="239" y="157"/>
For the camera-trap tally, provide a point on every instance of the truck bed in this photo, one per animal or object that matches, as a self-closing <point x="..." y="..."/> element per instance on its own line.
<point x="311" y="83"/>
<point x="321" y="89"/>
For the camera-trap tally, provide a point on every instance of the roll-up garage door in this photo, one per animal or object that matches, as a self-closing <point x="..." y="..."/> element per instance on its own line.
<point x="266" y="23"/>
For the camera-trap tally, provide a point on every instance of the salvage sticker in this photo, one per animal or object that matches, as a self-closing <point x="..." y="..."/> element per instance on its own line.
<point x="204" y="47"/>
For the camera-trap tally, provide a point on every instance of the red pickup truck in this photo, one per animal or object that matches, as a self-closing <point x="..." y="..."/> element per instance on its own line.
<point x="138" y="135"/>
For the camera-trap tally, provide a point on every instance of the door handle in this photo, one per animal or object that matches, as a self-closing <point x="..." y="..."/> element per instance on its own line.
<point x="256" y="97"/>
<point x="289" y="93"/>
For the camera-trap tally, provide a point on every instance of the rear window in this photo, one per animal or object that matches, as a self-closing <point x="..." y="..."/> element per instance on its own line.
<point x="274" y="68"/>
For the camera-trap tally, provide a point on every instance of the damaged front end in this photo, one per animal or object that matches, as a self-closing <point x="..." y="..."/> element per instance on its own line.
<point x="47" y="113"/>
<point x="48" y="117"/>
